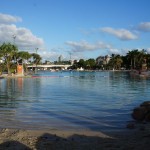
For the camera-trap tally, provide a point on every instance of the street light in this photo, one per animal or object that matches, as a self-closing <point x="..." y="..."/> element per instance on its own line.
<point x="36" y="49"/>
<point x="14" y="37"/>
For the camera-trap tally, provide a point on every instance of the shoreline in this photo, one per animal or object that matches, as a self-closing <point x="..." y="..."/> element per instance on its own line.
<point x="15" y="76"/>
<point x="74" y="140"/>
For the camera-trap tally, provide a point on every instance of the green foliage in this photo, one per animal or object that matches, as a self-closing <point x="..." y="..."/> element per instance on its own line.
<point x="36" y="58"/>
<point x="115" y="62"/>
<point x="8" y="51"/>
<point x="10" y="55"/>
<point x="134" y="59"/>
<point x="89" y="64"/>
<point x="23" y="55"/>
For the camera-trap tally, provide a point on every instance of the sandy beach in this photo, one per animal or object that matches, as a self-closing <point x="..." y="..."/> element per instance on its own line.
<point x="14" y="139"/>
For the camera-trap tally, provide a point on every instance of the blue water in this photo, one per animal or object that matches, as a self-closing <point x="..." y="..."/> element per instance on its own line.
<point x="96" y="101"/>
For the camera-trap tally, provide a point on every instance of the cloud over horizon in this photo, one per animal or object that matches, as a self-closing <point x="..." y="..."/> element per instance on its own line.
<point x="85" y="46"/>
<point x="144" y="26"/>
<point x="121" y="34"/>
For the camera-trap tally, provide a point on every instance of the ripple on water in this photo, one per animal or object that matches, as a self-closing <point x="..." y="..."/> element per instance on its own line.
<point x="77" y="100"/>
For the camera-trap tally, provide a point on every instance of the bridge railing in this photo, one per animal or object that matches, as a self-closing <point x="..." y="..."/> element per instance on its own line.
<point x="48" y="66"/>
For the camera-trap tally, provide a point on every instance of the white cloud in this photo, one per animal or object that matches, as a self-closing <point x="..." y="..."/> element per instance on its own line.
<point x="114" y="51"/>
<point x="122" y="34"/>
<point x="50" y="56"/>
<point x="53" y="55"/>
<point x="6" y="19"/>
<point x="25" y="39"/>
<point x="144" y="26"/>
<point x="117" y="51"/>
<point x="85" y="46"/>
<point x="148" y="50"/>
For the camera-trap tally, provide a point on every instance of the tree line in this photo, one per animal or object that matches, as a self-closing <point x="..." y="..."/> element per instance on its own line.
<point x="134" y="59"/>
<point x="11" y="56"/>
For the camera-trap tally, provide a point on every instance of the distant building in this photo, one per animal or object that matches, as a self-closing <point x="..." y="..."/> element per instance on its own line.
<point x="60" y="58"/>
<point x="75" y="61"/>
<point x="47" y="62"/>
<point x="103" y="60"/>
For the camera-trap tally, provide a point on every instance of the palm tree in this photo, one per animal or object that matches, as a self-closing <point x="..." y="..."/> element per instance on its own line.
<point x="25" y="57"/>
<point x="148" y="60"/>
<point x="8" y="51"/>
<point x="118" y="62"/>
<point x="36" y="58"/>
<point x="134" y="57"/>
<point x="115" y="62"/>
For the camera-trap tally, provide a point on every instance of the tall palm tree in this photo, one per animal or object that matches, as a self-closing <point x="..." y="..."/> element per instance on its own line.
<point x="115" y="61"/>
<point x="133" y="56"/>
<point x="8" y="51"/>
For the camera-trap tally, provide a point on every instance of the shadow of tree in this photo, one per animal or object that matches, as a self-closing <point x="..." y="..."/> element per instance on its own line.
<point x="74" y="142"/>
<point x="80" y="142"/>
<point x="53" y="142"/>
<point x="13" y="145"/>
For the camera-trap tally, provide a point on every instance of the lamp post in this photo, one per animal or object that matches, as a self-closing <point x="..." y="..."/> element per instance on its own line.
<point x="14" y="37"/>
<point x="36" y="49"/>
<point x="70" y="58"/>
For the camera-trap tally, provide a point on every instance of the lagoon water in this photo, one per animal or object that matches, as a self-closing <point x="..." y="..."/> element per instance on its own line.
<point x="97" y="101"/>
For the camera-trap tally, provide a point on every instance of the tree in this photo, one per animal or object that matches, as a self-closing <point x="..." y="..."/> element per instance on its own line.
<point x="36" y="59"/>
<point x="148" y="60"/>
<point x="90" y="63"/>
<point x="81" y="63"/>
<point x="8" y="51"/>
<point x="118" y="61"/>
<point x="136" y="58"/>
<point x="115" y="62"/>
<point x="133" y="57"/>
<point x="25" y="57"/>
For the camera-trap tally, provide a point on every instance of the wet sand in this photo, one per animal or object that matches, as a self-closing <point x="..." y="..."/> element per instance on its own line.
<point x="14" y="139"/>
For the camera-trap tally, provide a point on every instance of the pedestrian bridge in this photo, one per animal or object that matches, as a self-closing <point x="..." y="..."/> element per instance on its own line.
<point x="47" y="67"/>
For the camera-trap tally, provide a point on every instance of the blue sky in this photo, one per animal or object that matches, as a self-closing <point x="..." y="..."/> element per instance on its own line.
<point x="83" y="28"/>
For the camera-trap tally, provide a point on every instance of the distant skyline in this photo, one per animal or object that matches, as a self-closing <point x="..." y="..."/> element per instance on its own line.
<point x="80" y="28"/>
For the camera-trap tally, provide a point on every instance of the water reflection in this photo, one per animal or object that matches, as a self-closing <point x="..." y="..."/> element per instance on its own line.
<point x="92" y="100"/>
<point x="20" y="83"/>
<point x="7" y="95"/>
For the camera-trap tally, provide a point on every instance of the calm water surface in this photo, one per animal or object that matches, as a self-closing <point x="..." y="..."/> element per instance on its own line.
<point x="97" y="101"/>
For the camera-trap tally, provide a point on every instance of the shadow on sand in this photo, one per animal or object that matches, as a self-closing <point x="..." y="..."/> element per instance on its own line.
<point x="78" y="142"/>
